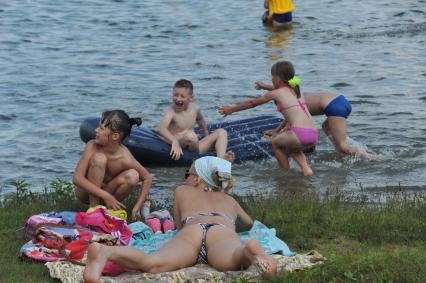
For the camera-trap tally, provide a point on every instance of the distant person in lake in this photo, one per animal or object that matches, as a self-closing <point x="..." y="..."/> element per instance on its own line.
<point x="177" y="126"/>
<point x="299" y="133"/>
<point x="337" y="109"/>
<point x="107" y="172"/>
<point x="278" y="12"/>
<point x="206" y="218"/>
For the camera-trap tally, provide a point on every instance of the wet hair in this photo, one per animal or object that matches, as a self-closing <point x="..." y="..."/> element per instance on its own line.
<point x="184" y="84"/>
<point x="285" y="71"/>
<point x="119" y="122"/>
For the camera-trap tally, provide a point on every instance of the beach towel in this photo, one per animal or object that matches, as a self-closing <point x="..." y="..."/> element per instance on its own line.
<point x="67" y="272"/>
<point x="145" y="240"/>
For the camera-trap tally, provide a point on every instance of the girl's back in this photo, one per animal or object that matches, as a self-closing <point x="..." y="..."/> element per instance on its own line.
<point x="294" y="109"/>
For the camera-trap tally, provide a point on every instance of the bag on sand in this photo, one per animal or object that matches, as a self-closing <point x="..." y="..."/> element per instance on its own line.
<point x="35" y="220"/>
<point x="52" y="242"/>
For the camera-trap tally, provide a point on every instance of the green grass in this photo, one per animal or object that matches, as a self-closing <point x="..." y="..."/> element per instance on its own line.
<point x="363" y="241"/>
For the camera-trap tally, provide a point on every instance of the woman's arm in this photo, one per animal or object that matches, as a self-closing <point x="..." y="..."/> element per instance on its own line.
<point x="244" y="221"/>
<point x="176" y="209"/>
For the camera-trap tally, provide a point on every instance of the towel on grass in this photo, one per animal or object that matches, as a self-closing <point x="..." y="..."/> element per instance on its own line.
<point x="67" y="272"/>
<point x="145" y="240"/>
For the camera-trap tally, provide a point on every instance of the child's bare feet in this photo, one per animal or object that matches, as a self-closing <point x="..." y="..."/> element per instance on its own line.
<point x="308" y="172"/>
<point x="230" y="156"/>
<point x="97" y="257"/>
<point x="265" y="264"/>
<point x="373" y="157"/>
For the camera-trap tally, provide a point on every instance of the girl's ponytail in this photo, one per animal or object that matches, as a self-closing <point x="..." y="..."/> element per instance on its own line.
<point x="135" y="121"/>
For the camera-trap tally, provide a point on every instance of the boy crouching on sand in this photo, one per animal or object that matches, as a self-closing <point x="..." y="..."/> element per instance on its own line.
<point x="177" y="126"/>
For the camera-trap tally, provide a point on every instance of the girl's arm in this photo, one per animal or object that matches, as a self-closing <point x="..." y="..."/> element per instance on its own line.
<point x="202" y="123"/>
<point x="80" y="180"/>
<point x="262" y="85"/>
<point x="273" y="132"/>
<point x="146" y="180"/>
<point x="250" y="103"/>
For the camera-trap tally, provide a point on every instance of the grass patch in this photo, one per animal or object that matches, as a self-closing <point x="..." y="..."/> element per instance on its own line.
<point x="363" y="241"/>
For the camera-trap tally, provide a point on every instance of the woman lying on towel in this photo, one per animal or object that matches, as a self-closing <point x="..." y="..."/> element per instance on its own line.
<point x="206" y="218"/>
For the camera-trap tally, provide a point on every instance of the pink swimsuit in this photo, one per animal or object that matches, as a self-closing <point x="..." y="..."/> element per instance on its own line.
<point x="306" y="136"/>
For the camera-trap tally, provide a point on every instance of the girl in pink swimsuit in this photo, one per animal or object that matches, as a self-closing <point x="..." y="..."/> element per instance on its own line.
<point x="299" y="132"/>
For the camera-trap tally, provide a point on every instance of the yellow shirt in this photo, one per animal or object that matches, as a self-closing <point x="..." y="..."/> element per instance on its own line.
<point x="280" y="7"/>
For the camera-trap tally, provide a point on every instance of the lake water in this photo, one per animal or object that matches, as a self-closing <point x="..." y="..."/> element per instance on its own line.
<point x="62" y="61"/>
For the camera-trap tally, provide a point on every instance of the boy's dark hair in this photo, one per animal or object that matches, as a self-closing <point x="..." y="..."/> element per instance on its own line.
<point x="185" y="84"/>
<point x="285" y="71"/>
<point x="119" y="122"/>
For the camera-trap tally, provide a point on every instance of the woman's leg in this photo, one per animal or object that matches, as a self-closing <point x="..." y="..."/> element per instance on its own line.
<point x="180" y="252"/>
<point x="226" y="252"/>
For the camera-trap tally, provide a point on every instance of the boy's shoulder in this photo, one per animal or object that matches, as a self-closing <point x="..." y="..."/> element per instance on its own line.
<point x="193" y="106"/>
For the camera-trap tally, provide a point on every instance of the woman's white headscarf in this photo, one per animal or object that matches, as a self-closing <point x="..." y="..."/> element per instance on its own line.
<point x="214" y="171"/>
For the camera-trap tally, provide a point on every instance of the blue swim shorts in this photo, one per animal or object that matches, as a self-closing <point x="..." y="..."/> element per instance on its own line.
<point x="339" y="107"/>
<point x="281" y="18"/>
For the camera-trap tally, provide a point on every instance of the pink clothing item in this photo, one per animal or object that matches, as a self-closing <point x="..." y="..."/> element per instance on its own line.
<point x="154" y="224"/>
<point x="301" y="104"/>
<point x="101" y="221"/>
<point x="306" y="136"/>
<point x="168" y="225"/>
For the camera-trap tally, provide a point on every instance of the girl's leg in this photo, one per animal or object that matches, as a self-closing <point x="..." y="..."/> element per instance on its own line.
<point x="280" y="156"/>
<point x="300" y="158"/>
<point x="284" y="141"/>
<point x="96" y="174"/>
<point x="123" y="184"/>
<point x="226" y="252"/>
<point x="180" y="252"/>
<point x="218" y="139"/>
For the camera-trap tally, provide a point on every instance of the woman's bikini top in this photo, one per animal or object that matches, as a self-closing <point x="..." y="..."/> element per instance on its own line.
<point x="203" y="214"/>
<point x="301" y="104"/>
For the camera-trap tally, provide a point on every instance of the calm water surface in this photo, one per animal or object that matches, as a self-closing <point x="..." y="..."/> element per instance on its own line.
<point x="61" y="62"/>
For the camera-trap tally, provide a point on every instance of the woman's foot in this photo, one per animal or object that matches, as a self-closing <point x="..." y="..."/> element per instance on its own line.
<point x="265" y="264"/>
<point x="97" y="257"/>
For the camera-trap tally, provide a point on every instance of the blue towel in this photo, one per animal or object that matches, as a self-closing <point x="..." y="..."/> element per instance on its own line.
<point x="145" y="240"/>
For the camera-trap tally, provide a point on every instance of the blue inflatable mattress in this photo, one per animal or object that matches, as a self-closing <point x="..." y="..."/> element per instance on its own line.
<point x="244" y="139"/>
